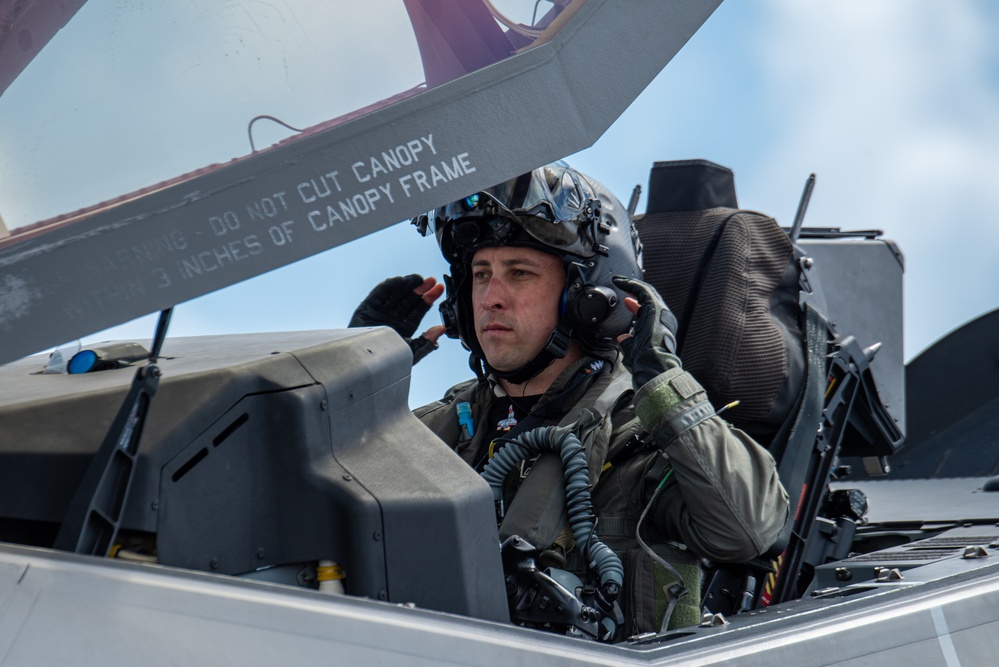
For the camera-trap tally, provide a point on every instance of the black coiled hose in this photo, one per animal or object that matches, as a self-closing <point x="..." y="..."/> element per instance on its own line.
<point x="566" y="445"/>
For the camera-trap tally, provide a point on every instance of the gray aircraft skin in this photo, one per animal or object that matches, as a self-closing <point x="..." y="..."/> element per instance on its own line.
<point x="214" y="480"/>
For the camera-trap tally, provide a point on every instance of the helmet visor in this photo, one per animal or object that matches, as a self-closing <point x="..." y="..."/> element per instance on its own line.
<point x="551" y="204"/>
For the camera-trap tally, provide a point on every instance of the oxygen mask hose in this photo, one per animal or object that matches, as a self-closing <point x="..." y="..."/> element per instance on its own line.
<point x="564" y="443"/>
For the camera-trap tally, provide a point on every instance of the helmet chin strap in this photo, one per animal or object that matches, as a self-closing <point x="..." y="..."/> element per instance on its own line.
<point x="525" y="372"/>
<point x="556" y="348"/>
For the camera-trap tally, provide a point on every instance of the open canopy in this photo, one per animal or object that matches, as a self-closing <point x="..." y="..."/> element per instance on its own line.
<point x="134" y="176"/>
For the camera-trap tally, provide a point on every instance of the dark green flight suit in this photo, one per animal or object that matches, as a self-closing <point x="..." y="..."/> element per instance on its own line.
<point x="722" y="499"/>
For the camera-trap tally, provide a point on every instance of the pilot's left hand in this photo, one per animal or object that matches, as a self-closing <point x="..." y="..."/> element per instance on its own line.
<point x="651" y="350"/>
<point x="400" y="303"/>
<point x="668" y="401"/>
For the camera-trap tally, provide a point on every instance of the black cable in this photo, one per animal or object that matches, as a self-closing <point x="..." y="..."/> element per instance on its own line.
<point x="249" y="128"/>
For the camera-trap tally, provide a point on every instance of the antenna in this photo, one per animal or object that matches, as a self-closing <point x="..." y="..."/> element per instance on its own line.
<point x="799" y="217"/>
<point x="96" y="511"/>
<point x="633" y="204"/>
<point x="160" y="335"/>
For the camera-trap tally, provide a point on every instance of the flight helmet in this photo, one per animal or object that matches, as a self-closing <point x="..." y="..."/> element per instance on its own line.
<point x="557" y="210"/>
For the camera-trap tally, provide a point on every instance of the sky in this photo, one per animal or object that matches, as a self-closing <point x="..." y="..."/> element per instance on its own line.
<point x="893" y="105"/>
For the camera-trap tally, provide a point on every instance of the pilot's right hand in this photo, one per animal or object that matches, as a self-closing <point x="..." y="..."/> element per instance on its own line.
<point x="400" y="303"/>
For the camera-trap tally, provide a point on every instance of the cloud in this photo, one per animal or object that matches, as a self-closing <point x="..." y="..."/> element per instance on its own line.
<point x="131" y="94"/>
<point x="894" y="106"/>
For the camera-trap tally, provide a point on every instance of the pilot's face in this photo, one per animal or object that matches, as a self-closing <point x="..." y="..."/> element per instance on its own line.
<point x="515" y="301"/>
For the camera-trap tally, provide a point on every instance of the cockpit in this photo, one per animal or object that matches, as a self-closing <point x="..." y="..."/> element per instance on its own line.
<point x="261" y="495"/>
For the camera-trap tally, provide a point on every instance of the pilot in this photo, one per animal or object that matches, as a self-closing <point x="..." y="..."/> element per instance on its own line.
<point x="544" y="286"/>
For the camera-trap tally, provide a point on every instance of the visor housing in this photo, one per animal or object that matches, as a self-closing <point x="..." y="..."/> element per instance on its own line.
<point x="551" y="206"/>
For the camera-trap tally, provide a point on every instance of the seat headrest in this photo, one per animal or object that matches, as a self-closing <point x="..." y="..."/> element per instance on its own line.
<point x="690" y="185"/>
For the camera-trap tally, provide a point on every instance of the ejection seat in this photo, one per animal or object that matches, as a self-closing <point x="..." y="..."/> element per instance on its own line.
<point x="753" y="329"/>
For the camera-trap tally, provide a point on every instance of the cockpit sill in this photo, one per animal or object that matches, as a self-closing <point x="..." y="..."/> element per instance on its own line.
<point x="229" y="604"/>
